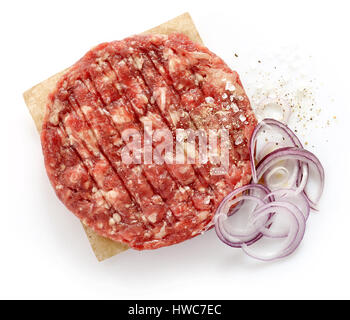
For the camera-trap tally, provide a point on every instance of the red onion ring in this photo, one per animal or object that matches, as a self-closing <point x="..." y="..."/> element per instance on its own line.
<point x="295" y="201"/>
<point x="287" y="133"/>
<point x="295" y="234"/>
<point x="301" y="155"/>
<point x="237" y="239"/>
<point x="289" y="196"/>
<point x="238" y="191"/>
<point x="285" y="195"/>
<point x="222" y="212"/>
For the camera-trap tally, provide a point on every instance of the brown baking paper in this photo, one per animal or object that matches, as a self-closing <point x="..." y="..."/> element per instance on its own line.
<point x="36" y="100"/>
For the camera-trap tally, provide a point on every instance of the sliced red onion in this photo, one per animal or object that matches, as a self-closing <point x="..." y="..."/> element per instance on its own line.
<point x="290" y="170"/>
<point x="251" y="188"/>
<point x="292" y="161"/>
<point x="249" y="236"/>
<point x="302" y="178"/>
<point x="288" y="135"/>
<point x="295" y="234"/>
<point x="301" y="155"/>
<point x="291" y="196"/>
<point x="271" y="173"/>
<point x="237" y="237"/>
<point x="287" y="132"/>
<point x="266" y="149"/>
<point x="237" y="244"/>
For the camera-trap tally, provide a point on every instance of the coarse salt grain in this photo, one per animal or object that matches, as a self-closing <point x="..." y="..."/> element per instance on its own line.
<point x="209" y="100"/>
<point x="100" y="225"/>
<point x="242" y="118"/>
<point x="234" y="107"/>
<point x="230" y="86"/>
<point x="116" y="217"/>
<point x="284" y="87"/>
<point x="238" y="141"/>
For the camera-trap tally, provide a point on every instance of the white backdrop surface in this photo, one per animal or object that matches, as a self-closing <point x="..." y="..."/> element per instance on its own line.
<point x="44" y="251"/>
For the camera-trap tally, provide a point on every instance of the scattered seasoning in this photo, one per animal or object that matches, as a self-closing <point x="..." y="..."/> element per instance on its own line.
<point x="236" y="55"/>
<point x="284" y="87"/>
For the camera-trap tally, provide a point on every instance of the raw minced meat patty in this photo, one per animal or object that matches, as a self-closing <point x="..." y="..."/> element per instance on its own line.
<point x="171" y="82"/>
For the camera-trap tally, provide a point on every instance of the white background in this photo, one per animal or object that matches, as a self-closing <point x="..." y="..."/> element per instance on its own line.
<point x="44" y="252"/>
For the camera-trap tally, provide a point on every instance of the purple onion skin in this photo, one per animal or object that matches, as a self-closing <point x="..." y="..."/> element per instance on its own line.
<point x="304" y="158"/>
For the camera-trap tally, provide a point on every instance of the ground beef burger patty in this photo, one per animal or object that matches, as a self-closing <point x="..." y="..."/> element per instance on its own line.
<point x="124" y="86"/>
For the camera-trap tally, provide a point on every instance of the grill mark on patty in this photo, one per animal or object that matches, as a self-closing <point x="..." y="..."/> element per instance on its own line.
<point x="204" y="171"/>
<point x="147" y="225"/>
<point x="169" y="112"/>
<point x="155" y="108"/>
<point x="134" y="126"/>
<point x="197" y="186"/>
<point x="105" y="205"/>
<point x="90" y="161"/>
<point x="67" y="151"/>
<point x="137" y="124"/>
<point x="166" y="74"/>
<point x="91" y="86"/>
<point x="229" y="96"/>
<point x="123" y="171"/>
<point x="218" y="102"/>
<point x="90" y="148"/>
<point x="201" y="171"/>
<point x="137" y="236"/>
<point x="146" y="104"/>
<point x="178" y="102"/>
<point x="226" y="97"/>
